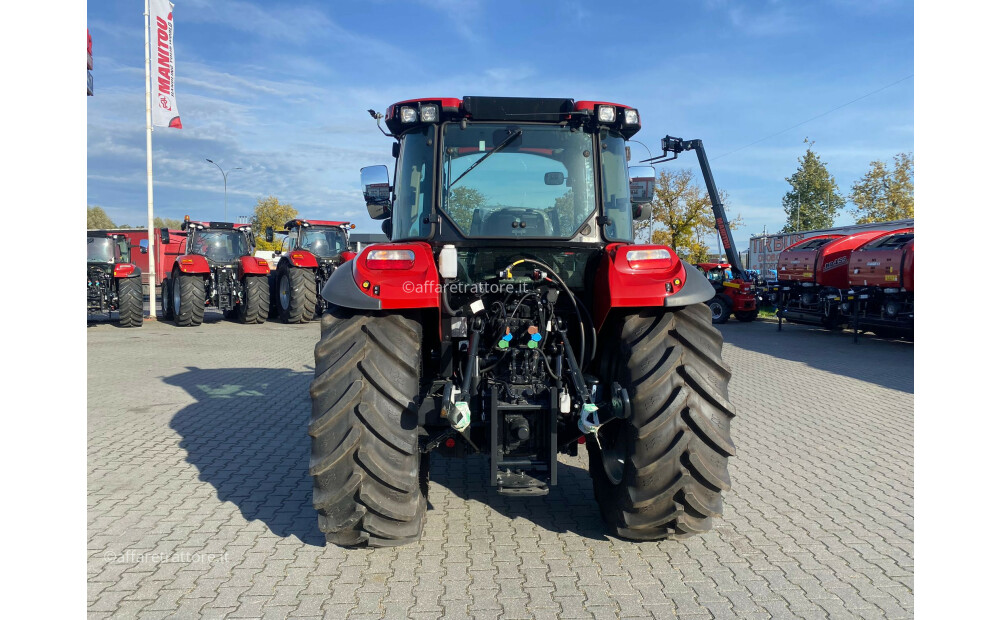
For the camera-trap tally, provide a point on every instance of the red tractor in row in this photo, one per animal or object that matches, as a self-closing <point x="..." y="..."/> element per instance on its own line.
<point x="113" y="281"/>
<point x="861" y="279"/>
<point x="733" y="296"/>
<point x="513" y="315"/>
<point x="217" y="269"/>
<point x="310" y="251"/>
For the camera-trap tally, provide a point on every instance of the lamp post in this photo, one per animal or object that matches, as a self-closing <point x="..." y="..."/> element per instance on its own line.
<point x="225" y="188"/>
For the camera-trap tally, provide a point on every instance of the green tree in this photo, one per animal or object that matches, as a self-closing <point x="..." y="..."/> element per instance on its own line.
<point x="462" y="202"/>
<point x="884" y="196"/>
<point x="682" y="216"/>
<point x="270" y="212"/>
<point x="165" y="222"/>
<point x="98" y="219"/>
<point x="813" y="200"/>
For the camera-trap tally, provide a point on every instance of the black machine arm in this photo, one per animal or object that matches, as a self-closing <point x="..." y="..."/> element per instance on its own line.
<point x="671" y="148"/>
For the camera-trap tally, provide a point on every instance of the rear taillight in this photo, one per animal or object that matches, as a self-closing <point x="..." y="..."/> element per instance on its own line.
<point x="390" y="259"/>
<point x="263" y="263"/>
<point x="649" y="259"/>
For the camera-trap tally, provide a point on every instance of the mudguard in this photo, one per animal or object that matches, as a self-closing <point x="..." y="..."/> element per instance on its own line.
<point x="126" y="270"/>
<point x="303" y="258"/>
<point x="659" y="283"/>
<point x="253" y="266"/>
<point x="193" y="263"/>
<point x="360" y="284"/>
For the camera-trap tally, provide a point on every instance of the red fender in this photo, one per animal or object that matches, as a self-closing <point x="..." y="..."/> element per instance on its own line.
<point x="620" y="283"/>
<point x="193" y="263"/>
<point x="303" y="258"/>
<point x="348" y="255"/>
<point x="253" y="266"/>
<point x="399" y="284"/>
<point x="124" y="270"/>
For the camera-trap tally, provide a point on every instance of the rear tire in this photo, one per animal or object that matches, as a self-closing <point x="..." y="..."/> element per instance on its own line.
<point x="296" y="294"/>
<point x="747" y="316"/>
<point x="720" y="309"/>
<point x="188" y="292"/>
<point x="661" y="473"/>
<point x="166" y="300"/>
<point x="129" y="302"/>
<point x="369" y="478"/>
<point x="256" y="300"/>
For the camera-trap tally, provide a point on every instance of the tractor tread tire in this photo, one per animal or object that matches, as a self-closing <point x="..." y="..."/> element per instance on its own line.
<point x="301" y="294"/>
<point x="166" y="300"/>
<point x="130" y="302"/>
<point x="192" y="310"/>
<point x="727" y="308"/>
<point x="256" y="300"/>
<point x="678" y="437"/>
<point x="369" y="477"/>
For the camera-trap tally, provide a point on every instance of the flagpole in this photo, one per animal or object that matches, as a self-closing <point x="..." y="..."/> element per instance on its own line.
<point x="149" y="179"/>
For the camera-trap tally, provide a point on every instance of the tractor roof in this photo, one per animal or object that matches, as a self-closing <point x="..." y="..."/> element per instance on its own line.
<point x="215" y="225"/>
<point x="317" y="223"/>
<point x="508" y="109"/>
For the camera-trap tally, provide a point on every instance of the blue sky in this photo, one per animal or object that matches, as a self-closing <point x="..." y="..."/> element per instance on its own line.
<point x="281" y="90"/>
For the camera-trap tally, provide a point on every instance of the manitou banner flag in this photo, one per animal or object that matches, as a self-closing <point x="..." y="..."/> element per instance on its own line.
<point x="161" y="50"/>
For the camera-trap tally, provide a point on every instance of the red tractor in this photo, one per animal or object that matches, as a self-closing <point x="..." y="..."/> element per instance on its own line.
<point x="880" y="277"/>
<point x="811" y="277"/>
<point x="309" y="253"/>
<point x="513" y="315"/>
<point x="113" y="282"/>
<point x="732" y="295"/>
<point x="217" y="269"/>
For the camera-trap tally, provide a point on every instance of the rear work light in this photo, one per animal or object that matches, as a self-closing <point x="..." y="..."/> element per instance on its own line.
<point x="631" y="117"/>
<point x="408" y="115"/>
<point x="606" y="113"/>
<point x="390" y="259"/>
<point x="428" y="113"/>
<point x="648" y="259"/>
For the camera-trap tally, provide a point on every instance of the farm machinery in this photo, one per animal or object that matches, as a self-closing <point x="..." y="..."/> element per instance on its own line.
<point x="113" y="281"/>
<point x="512" y="315"/>
<point x="216" y="269"/>
<point x="310" y="251"/>
<point x="733" y="296"/>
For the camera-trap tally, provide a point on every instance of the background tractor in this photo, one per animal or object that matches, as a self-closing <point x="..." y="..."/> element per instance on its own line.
<point x="217" y="269"/>
<point x="113" y="282"/>
<point x="733" y="296"/>
<point x="309" y="253"/>
<point x="512" y="315"/>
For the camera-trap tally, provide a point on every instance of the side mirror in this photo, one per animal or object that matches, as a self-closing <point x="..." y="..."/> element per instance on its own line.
<point x="375" y="180"/>
<point x="164" y="236"/>
<point x="143" y="246"/>
<point x="554" y="178"/>
<point x="269" y="234"/>
<point x="642" y="184"/>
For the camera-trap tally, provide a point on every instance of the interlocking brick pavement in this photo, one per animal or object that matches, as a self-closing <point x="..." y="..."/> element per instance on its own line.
<point x="199" y="499"/>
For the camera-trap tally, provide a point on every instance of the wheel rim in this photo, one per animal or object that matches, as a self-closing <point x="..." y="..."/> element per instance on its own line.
<point x="716" y="308"/>
<point x="283" y="292"/>
<point x="176" y="290"/>
<point x="613" y="450"/>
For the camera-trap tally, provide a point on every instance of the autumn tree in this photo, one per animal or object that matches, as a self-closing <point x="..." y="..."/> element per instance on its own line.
<point x="813" y="201"/>
<point x="270" y="212"/>
<point x="462" y="203"/>
<point x="883" y="195"/>
<point x="165" y="222"/>
<point x="98" y="219"/>
<point x="682" y="216"/>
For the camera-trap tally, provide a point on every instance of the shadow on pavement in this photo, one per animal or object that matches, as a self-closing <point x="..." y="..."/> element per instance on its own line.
<point x="885" y="362"/>
<point x="246" y="434"/>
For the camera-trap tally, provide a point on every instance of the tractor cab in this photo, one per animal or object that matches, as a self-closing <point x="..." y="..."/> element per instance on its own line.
<point x="219" y="242"/>
<point x="499" y="177"/>
<point x="107" y="248"/>
<point x="324" y="239"/>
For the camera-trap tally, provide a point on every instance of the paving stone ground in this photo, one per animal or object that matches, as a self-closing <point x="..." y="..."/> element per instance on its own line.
<point x="199" y="499"/>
